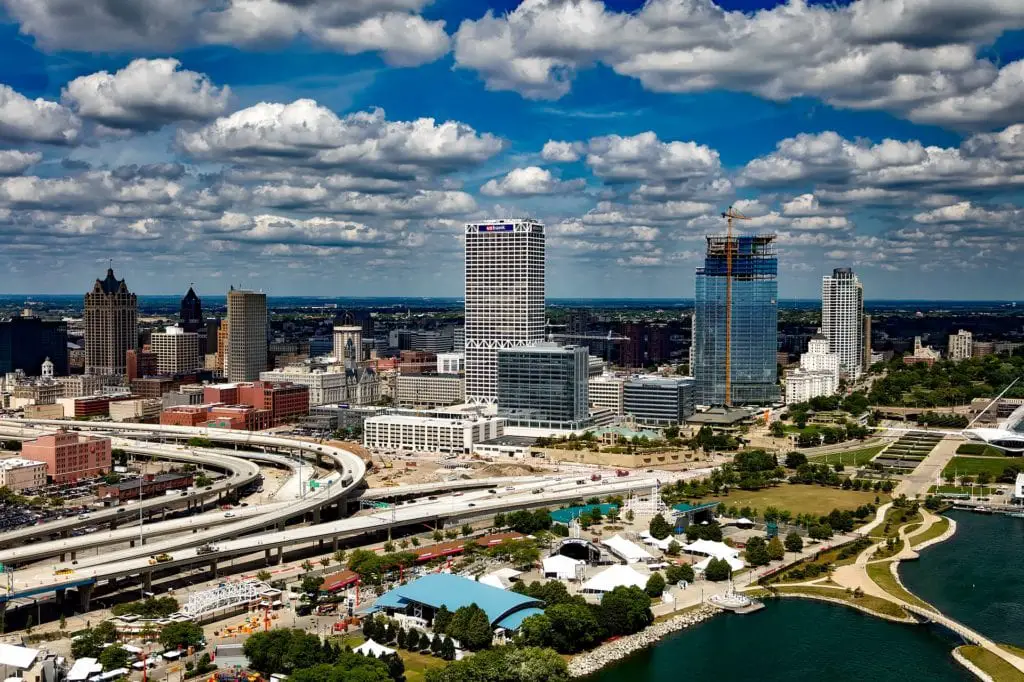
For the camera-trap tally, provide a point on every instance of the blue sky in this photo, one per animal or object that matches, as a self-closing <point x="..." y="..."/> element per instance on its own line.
<point x="320" y="147"/>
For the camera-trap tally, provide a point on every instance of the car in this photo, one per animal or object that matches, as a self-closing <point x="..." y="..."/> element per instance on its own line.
<point x="510" y="487"/>
<point x="163" y="558"/>
<point x="492" y="491"/>
<point x="228" y="515"/>
<point x="458" y="494"/>
<point x="472" y="504"/>
<point x="83" y="515"/>
<point x="537" y="491"/>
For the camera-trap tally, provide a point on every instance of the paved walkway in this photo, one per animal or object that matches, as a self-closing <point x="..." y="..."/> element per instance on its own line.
<point x="917" y="482"/>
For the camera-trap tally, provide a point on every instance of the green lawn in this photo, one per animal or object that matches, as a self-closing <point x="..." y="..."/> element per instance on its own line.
<point x="882" y="576"/>
<point x="972" y="466"/>
<point x="979" y="450"/>
<point x="960" y="490"/>
<point x="936" y="529"/>
<point x="849" y="458"/>
<point x="416" y="665"/>
<point x="867" y="601"/>
<point x="801" y="499"/>
<point x="998" y="669"/>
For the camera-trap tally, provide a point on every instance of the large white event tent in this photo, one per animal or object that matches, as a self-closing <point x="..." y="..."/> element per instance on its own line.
<point x="709" y="548"/>
<point x="371" y="647"/>
<point x="616" y="575"/>
<point x="627" y="549"/>
<point x="561" y="567"/>
<point x="655" y="542"/>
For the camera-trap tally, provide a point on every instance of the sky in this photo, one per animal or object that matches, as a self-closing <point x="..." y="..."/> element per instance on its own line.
<point x="337" y="147"/>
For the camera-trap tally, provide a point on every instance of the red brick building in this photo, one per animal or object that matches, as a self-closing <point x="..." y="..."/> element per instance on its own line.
<point x="69" y="456"/>
<point x="221" y="393"/>
<point x="152" y="387"/>
<point x="286" y="402"/>
<point x="185" y="415"/>
<point x="150" y="485"/>
<point x="416" y="361"/>
<point x="241" y="417"/>
<point x="85" y="406"/>
<point x="140" y="363"/>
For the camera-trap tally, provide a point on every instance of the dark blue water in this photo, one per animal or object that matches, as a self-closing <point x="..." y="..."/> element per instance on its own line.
<point x="977" y="576"/>
<point x="793" y="640"/>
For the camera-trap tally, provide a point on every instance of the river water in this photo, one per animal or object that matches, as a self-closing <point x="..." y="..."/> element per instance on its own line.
<point x="976" y="577"/>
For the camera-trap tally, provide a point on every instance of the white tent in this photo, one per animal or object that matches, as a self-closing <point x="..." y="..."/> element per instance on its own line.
<point x="614" y="576"/>
<point x="709" y="548"/>
<point x="371" y="647"/>
<point x="491" y="580"/>
<point x="628" y="550"/>
<point x="734" y="563"/>
<point x="655" y="542"/>
<point x="743" y="521"/>
<point x="501" y="578"/>
<point x="561" y="567"/>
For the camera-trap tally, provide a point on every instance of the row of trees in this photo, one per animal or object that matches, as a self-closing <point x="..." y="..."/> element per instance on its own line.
<point x="524" y="521"/>
<point x="381" y="630"/>
<point x="946" y="383"/>
<point x="569" y="624"/>
<point x="470" y="625"/>
<point x="153" y="607"/>
<point x="502" y="664"/>
<point x="302" y="656"/>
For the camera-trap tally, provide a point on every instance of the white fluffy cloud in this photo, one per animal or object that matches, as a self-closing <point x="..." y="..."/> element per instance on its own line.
<point x="529" y="181"/>
<point x="914" y="57"/>
<point x="645" y="157"/>
<point x="308" y="133"/>
<point x="145" y="95"/>
<point x="391" y="27"/>
<point x="38" y="120"/>
<point x="561" y="152"/>
<point x="13" y="162"/>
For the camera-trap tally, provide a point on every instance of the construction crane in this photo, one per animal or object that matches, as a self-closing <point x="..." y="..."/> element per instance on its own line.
<point x="730" y="214"/>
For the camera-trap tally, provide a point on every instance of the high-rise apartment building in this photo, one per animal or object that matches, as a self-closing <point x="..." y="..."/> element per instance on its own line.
<point x="842" y="319"/>
<point x="736" y="320"/>
<point x="111" y="325"/>
<point x="818" y="374"/>
<point x="246" y="353"/>
<point x="960" y="345"/>
<point x="504" y="297"/>
<point x="191" y="311"/>
<point x="26" y="341"/>
<point x="544" y="385"/>
<point x="176" y="350"/>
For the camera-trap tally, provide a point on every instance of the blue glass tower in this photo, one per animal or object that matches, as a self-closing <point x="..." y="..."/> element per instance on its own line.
<point x="752" y="323"/>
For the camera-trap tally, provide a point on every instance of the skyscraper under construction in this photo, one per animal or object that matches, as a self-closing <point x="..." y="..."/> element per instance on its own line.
<point x="735" y="320"/>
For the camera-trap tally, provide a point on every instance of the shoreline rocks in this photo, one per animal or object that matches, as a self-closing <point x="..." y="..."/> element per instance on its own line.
<point x="591" y="661"/>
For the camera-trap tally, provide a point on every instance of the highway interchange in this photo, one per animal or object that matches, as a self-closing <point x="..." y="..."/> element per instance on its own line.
<point x="258" y="527"/>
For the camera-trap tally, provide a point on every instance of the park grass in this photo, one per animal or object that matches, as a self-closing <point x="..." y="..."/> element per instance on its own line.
<point x="979" y="450"/>
<point x="894" y="528"/>
<point x="932" y="532"/>
<point x="416" y="664"/>
<point x="972" y="466"/>
<point x="996" y="668"/>
<point x="960" y="490"/>
<point x="857" y="458"/>
<point x="883" y="607"/>
<point x="801" y="499"/>
<point x="881" y="575"/>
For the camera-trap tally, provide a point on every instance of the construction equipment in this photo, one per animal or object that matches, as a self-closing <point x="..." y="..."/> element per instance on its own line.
<point x="730" y="214"/>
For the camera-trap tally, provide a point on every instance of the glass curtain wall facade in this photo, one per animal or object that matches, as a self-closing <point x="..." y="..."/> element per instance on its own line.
<point x="754" y="321"/>
<point x="544" y="385"/>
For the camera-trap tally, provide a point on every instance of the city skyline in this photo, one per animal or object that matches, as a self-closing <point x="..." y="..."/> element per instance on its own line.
<point x="331" y="154"/>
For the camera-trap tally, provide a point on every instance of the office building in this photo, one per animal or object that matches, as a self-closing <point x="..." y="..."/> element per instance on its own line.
<point x="111" y="325"/>
<point x="842" y="319"/>
<point x="69" y="456"/>
<point x="451" y="363"/>
<point x="140" y="363"/>
<point x="960" y="345"/>
<point x="246" y="353"/>
<point x="544" y="385"/>
<point x="26" y="341"/>
<point x="866" y="362"/>
<point x="411" y="433"/>
<point x="78" y="385"/>
<point x="348" y="345"/>
<point x="504" y="297"/>
<point x="152" y="387"/>
<point x="191" y="313"/>
<point x="325" y="387"/>
<point x="459" y="340"/>
<point x="85" y="406"/>
<point x="736" y="320"/>
<point x="433" y="340"/>
<point x="659" y="401"/>
<point x="176" y="350"/>
<point x="139" y="410"/>
<point x="18" y="474"/>
<point x="429" y="390"/>
<point x="43" y="391"/>
<point x="606" y="392"/>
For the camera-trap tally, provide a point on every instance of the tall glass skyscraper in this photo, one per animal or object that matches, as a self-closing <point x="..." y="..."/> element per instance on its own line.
<point x="753" y="321"/>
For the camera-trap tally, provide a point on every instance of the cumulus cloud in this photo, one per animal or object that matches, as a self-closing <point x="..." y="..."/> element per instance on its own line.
<point x="317" y="231"/>
<point x="38" y="120"/>
<point x="146" y="95"/>
<point x="910" y="57"/>
<point x="645" y="157"/>
<point x="530" y="181"/>
<point x="393" y="28"/>
<point x="561" y="152"/>
<point x="14" y="162"/>
<point x="304" y="132"/>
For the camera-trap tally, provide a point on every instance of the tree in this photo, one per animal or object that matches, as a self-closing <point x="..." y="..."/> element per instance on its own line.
<point x="677" y="573"/>
<point x="820" y="531"/>
<point x="264" y="575"/>
<point x="86" y="645"/>
<point x="717" y="570"/>
<point x="448" y="649"/>
<point x="630" y="515"/>
<point x="471" y="626"/>
<point x="499" y="520"/>
<point x="442" y="619"/>
<point x="775" y="549"/>
<point x="436" y="645"/>
<point x="504" y="664"/>
<point x="659" y="527"/>
<point x="757" y="552"/>
<point x="794" y="543"/>
<point x="424" y="641"/>
<point x="467" y="530"/>
<point x="673" y="548"/>
<point x="655" y="586"/>
<point x="625" y="610"/>
<point x="113" y="657"/>
<point x="536" y="631"/>
<point x="339" y="557"/>
<point x="181" y="635"/>
<point x="438" y="536"/>
<point x="306" y="565"/>
<point x="311" y="583"/>
<point x="574" y="626"/>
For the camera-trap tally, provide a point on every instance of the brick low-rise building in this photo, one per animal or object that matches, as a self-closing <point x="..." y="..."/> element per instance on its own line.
<point x="18" y="474"/>
<point x="285" y="402"/>
<point x="150" y="485"/>
<point x="85" y="406"/>
<point x="69" y="456"/>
